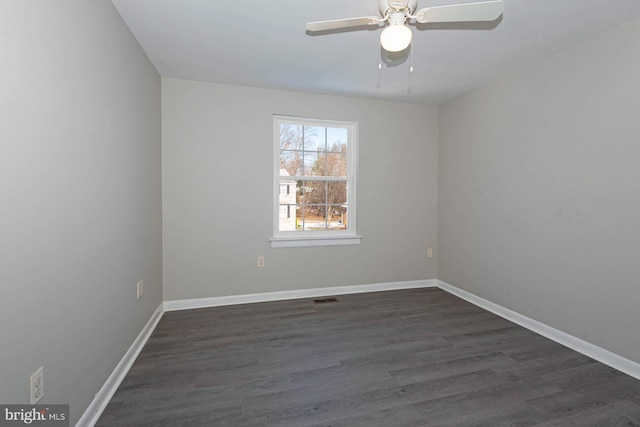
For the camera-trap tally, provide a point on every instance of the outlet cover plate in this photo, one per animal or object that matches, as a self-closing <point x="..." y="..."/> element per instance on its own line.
<point x="37" y="385"/>
<point x="139" y="288"/>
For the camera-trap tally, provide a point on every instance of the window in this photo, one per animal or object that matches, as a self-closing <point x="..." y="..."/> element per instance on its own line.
<point x="314" y="182"/>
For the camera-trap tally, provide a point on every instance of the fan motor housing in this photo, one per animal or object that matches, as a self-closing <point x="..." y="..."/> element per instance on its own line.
<point x="397" y="5"/>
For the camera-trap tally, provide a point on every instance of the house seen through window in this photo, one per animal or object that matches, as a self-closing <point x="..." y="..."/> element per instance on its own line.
<point x="314" y="173"/>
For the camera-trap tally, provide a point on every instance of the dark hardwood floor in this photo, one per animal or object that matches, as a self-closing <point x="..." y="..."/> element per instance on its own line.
<point x="418" y="357"/>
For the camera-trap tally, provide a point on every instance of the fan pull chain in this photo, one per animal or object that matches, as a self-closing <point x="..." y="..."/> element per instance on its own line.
<point x="410" y="70"/>
<point x="379" y="66"/>
<point x="411" y="59"/>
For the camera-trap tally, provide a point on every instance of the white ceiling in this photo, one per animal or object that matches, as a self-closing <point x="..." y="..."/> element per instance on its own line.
<point x="263" y="43"/>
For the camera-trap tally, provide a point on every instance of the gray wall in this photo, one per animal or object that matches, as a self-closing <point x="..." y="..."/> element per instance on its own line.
<point x="217" y="192"/>
<point x="80" y="196"/>
<point x="539" y="191"/>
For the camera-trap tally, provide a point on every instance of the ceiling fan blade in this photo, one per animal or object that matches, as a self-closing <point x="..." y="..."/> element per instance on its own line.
<point x="342" y="23"/>
<point x="483" y="11"/>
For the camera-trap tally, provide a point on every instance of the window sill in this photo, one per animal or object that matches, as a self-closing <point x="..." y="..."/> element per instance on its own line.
<point x="301" y="242"/>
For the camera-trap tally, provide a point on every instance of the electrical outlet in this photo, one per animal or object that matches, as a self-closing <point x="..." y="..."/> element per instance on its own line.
<point x="139" y="288"/>
<point x="261" y="261"/>
<point x="429" y="253"/>
<point x="37" y="385"/>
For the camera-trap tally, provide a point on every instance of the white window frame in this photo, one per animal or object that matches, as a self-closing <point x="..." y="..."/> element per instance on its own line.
<point x="301" y="238"/>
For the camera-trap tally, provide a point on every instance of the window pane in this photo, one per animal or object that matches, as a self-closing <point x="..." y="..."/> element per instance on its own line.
<point x="337" y="217"/>
<point x="291" y="161"/>
<point x="337" y="139"/>
<point x="337" y="192"/>
<point x="316" y="192"/>
<point x="314" y="163"/>
<point x="290" y="137"/>
<point x="314" y="138"/>
<point x="302" y="213"/>
<point x="336" y="164"/>
<point x="287" y="220"/>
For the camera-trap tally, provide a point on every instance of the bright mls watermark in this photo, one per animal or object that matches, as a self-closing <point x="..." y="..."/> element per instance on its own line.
<point x="36" y="415"/>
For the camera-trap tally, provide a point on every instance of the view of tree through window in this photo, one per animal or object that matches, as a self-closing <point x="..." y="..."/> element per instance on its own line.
<point x="314" y="178"/>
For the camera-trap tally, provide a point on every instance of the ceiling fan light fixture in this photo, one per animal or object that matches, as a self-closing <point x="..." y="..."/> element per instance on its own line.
<point x="396" y="37"/>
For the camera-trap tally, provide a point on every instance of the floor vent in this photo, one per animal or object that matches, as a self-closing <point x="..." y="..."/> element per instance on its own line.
<point x="325" y="300"/>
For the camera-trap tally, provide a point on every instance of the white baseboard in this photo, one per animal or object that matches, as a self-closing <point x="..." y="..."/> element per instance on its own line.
<point x="187" y="304"/>
<point x="613" y="360"/>
<point x="100" y="402"/>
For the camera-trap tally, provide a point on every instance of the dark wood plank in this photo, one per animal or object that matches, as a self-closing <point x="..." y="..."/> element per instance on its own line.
<point x="419" y="357"/>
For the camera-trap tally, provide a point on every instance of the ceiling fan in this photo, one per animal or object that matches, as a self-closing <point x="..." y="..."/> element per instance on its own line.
<point x="397" y="13"/>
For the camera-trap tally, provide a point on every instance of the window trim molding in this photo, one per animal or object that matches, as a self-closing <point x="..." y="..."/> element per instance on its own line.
<point x="282" y="239"/>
